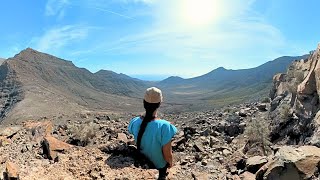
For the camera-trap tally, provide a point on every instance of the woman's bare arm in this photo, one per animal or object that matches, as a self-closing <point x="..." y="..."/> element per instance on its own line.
<point x="167" y="153"/>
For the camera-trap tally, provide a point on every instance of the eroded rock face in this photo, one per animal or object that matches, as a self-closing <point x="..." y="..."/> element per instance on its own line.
<point x="295" y="102"/>
<point x="278" y="85"/>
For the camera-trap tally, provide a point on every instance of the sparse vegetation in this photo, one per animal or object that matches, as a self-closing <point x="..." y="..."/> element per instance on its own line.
<point x="257" y="133"/>
<point x="81" y="134"/>
<point x="285" y="112"/>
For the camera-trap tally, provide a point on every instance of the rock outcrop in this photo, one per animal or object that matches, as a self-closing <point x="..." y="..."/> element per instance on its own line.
<point x="295" y="102"/>
<point x="10" y="89"/>
<point x="292" y="163"/>
<point x="51" y="147"/>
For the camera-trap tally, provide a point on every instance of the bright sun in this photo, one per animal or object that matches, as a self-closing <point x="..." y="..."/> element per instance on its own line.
<point x="200" y="12"/>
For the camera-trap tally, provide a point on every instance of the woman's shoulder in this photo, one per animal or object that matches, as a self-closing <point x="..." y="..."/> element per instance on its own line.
<point x="164" y="122"/>
<point x="134" y="123"/>
<point x="138" y="118"/>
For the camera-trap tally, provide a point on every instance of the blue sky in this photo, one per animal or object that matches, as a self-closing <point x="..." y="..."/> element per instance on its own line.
<point x="161" y="37"/>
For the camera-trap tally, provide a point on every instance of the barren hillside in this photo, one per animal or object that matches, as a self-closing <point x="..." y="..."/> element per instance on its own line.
<point x="37" y="85"/>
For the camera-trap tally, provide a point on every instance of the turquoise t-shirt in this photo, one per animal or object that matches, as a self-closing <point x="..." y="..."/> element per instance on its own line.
<point x="157" y="134"/>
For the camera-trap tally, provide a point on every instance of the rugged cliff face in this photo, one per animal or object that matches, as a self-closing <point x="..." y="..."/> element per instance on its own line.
<point x="295" y="103"/>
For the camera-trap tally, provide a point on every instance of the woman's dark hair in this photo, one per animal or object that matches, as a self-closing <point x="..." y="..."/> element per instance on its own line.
<point x="150" y="109"/>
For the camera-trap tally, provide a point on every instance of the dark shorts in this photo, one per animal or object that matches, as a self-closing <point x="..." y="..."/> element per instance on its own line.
<point x="163" y="173"/>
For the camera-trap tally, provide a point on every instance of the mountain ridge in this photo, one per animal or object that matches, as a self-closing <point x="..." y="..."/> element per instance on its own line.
<point x="49" y="86"/>
<point x="222" y="86"/>
<point x="60" y="87"/>
<point x="223" y="69"/>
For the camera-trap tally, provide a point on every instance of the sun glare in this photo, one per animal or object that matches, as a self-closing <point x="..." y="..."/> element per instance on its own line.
<point x="200" y="12"/>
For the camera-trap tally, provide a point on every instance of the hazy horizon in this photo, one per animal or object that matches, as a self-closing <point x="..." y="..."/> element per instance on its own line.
<point x="155" y="39"/>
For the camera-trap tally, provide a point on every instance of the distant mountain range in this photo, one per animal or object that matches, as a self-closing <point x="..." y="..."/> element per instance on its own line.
<point x="222" y="86"/>
<point x="35" y="85"/>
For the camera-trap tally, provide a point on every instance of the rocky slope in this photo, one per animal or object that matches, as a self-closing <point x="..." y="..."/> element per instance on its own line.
<point x="121" y="83"/>
<point x="229" y="143"/>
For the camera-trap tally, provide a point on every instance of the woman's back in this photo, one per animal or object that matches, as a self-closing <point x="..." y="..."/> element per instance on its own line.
<point x="157" y="134"/>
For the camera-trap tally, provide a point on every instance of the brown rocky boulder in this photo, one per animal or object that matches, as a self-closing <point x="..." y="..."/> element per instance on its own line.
<point x="262" y="107"/>
<point x="253" y="164"/>
<point x="247" y="176"/>
<point x="278" y="85"/>
<point x="51" y="147"/>
<point x="12" y="172"/>
<point x="44" y="127"/>
<point x="292" y="163"/>
<point x="9" y="131"/>
<point x="122" y="137"/>
<point x="308" y="85"/>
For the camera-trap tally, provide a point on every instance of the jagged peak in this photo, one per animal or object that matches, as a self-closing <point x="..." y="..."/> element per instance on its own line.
<point x="29" y="50"/>
<point x="30" y="54"/>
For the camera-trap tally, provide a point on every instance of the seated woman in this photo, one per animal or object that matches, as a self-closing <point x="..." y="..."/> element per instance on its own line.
<point x="153" y="135"/>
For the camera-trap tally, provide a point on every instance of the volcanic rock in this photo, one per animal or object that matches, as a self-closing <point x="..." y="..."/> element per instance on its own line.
<point x="51" y="147"/>
<point x="292" y="163"/>
<point x="253" y="164"/>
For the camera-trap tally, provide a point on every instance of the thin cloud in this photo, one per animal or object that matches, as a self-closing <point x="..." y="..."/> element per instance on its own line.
<point x="111" y="12"/>
<point x="58" y="8"/>
<point x="56" y="38"/>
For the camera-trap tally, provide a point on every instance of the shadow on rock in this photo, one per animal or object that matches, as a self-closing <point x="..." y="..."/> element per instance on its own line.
<point x="123" y="155"/>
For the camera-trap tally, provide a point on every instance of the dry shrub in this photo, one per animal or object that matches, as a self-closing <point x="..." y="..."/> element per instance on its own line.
<point x="285" y="112"/>
<point x="257" y="133"/>
<point x="82" y="134"/>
